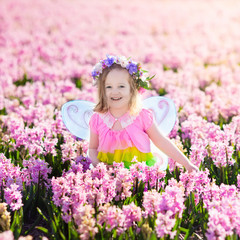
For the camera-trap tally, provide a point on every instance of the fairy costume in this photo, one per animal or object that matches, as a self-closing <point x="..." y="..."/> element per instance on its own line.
<point x="132" y="141"/>
<point x="126" y="144"/>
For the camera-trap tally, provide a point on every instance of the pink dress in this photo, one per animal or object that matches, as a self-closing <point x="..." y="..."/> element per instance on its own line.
<point x="131" y="142"/>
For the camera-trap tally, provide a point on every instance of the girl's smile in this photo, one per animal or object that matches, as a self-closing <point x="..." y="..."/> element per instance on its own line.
<point x="116" y="99"/>
<point x="117" y="89"/>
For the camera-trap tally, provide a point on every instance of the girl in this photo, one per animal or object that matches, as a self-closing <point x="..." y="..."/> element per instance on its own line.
<point x="120" y="130"/>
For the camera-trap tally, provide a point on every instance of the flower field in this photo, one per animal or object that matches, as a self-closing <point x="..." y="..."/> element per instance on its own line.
<point x="47" y="51"/>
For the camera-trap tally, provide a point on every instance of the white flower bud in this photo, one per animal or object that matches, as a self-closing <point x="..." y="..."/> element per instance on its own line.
<point x="123" y="61"/>
<point x="98" y="68"/>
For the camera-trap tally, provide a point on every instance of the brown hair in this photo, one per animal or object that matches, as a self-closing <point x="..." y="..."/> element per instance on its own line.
<point x="134" y="103"/>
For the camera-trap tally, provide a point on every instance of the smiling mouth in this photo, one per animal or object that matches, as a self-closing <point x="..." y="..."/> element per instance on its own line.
<point x="116" y="99"/>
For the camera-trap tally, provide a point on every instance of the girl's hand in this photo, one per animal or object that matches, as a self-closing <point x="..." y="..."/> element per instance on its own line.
<point x="95" y="162"/>
<point x="191" y="167"/>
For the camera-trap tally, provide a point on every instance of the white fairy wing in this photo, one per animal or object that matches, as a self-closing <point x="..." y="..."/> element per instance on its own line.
<point x="165" y="115"/>
<point x="76" y="115"/>
<point x="164" y="112"/>
<point x="161" y="158"/>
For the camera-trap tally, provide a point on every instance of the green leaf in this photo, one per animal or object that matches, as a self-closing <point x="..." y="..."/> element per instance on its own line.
<point x="150" y="78"/>
<point x="16" y="226"/>
<point x="114" y="233"/>
<point x="162" y="92"/>
<point x="166" y="68"/>
<point x="100" y="230"/>
<point x="29" y="199"/>
<point x="78" y="83"/>
<point x="33" y="225"/>
<point x="131" y="232"/>
<point x="121" y="237"/>
<point x="62" y="235"/>
<point x="40" y="212"/>
<point x="22" y="82"/>
<point x="153" y="236"/>
<point x="129" y="200"/>
<point x="43" y="229"/>
<point x="184" y="229"/>
<point x="3" y="111"/>
<point x="72" y="232"/>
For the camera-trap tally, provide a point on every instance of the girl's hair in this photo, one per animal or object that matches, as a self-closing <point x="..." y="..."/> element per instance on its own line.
<point x="134" y="103"/>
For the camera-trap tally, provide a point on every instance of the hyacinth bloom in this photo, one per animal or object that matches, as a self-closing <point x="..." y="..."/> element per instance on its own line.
<point x="196" y="183"/>
<point x="120" y="219"/>
<point x="9" y="173"/>
<point x="124" y="182"/>
<point x="170" y="200"/>
<point x="223" y="217"/>
<point x="132" y="213"/>
<point x="37" y="169"/>
<point x="165" y="224"/>
<point x="85" y="222"/>
<point x="99" y="184"/>
<point x="13" y="197"/>
<point x="78" y="191"/>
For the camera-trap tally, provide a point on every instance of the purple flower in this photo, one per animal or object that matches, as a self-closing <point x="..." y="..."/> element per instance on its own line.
<point x="109" y="61"/>
<point x="132" y="68"/>
<point x="85" y="161"/>
<point x="94" y="74"/>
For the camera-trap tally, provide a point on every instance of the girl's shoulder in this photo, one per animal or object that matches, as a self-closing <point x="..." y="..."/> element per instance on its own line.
<point x="93" y="122"/>
<point x="145" y="114"/>
<point x="94" y="116"/>
<point x="102" y="119"/>
<point x="145" y="118"/>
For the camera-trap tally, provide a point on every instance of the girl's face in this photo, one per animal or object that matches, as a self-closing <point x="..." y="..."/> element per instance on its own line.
<point x="117" y="89"/>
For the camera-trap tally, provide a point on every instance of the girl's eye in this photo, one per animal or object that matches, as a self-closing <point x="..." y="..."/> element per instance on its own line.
<point x="108" y="86"/>
<point x="122" y="86"/>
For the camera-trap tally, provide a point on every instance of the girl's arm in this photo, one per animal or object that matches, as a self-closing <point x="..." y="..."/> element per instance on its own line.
<point x="92" y="149"/>
<point x="169" y="148"/>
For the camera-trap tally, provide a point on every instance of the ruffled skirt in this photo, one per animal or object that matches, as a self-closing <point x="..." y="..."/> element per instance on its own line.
<point x="127" y="156"/>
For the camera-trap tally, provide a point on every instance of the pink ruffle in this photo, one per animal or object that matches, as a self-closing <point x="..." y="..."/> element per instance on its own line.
<point x="132" y="135"/>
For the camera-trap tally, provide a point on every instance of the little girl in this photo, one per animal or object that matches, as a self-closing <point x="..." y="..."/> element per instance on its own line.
<point x="120" y="130"/>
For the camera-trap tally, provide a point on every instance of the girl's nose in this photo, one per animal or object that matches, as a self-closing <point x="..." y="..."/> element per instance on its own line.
<point x="115" y="90"/>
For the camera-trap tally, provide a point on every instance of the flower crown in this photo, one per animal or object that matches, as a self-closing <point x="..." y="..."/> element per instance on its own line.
<point x="139" y="75"/>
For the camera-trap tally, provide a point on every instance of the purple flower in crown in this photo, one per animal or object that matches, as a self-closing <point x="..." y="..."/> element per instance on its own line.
<point x="94" y="74"/>
<point x="132" y="67"/>
<point x="109" y="60"/>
